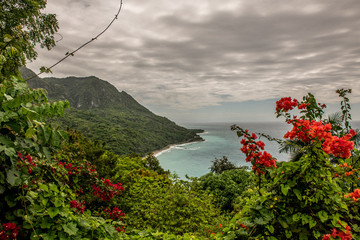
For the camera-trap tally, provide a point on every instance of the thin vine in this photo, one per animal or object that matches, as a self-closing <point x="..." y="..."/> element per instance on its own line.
<point x="68" y="54"/>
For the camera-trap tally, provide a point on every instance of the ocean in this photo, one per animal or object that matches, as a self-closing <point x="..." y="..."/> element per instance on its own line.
<point x="195" y="159"/>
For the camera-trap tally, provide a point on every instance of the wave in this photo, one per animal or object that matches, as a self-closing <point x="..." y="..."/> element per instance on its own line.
<point x="178" y="147"/>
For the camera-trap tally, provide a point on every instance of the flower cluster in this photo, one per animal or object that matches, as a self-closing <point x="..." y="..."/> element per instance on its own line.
<point x="120" y="229"/>
<point x="354" y="195"/>
<point x="338" y="233"/>
<point x="115" y="213"/>
<point x="28" y="162"/>
<point x="70" y="168"/>
<point x="251" y="149"/>
<point x="10" y="231"/>
<point x="309" y="131"/>
<point x="80" y="206"/>
<point x="110" y="191"/>
<point x="285" y="104"/>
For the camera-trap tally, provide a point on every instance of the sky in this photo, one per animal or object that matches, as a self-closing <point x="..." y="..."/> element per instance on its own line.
<point x="212" y="61"/>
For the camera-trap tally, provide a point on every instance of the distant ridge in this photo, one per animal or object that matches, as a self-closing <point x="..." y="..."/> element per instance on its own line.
<point x="103" y="113"/>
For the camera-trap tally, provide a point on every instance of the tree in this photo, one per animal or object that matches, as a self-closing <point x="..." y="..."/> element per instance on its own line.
<point x="22" y="26"/>
<point x="221" y="165"/>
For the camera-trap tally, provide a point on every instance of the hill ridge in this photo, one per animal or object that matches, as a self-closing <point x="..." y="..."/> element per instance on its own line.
<point x="101" y="112"/>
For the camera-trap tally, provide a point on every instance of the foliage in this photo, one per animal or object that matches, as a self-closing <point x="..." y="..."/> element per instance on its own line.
<point x="41" y="189"/>
<point x="115" y="117"/>
<point x="221" y="165"/>
<point x="22" y="26"/>
<point x="227" y="186"/>
<point x="152" y="200"/>
<point x="306" y="199"/>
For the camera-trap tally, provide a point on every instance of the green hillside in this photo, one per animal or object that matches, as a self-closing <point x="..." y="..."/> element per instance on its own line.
<point x="103" y="113"/>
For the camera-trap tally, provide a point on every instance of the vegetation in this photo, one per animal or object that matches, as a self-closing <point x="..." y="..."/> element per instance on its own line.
<point x="104" y="114"/>
<point x="61" y="185"/>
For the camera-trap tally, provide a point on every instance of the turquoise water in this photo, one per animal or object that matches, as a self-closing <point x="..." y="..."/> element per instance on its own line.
<point x="194" y="159"/>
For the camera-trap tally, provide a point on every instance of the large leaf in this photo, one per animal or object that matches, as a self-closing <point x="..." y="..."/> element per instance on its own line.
<point x="53" y="211"/>
<point x="323" y="216"/>
<point x="70" y="228"/>
<point x="285" y="189"/>
<point x="13" y="177"/>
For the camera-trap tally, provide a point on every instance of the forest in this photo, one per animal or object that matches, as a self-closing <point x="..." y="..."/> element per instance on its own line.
<point x="57" y="184"/>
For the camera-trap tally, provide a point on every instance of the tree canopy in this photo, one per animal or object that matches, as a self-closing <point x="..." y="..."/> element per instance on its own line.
<point x="22" y="26"/>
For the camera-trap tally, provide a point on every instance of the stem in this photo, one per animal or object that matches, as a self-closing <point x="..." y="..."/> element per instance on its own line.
<point x="27" y="213"/>
<point x="259" y="185"/>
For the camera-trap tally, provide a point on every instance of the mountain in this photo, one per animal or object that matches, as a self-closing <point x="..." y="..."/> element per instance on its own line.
<point x="103" y="113"/>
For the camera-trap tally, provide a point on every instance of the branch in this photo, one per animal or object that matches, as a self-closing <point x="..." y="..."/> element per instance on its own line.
<point x="72" y="53"/>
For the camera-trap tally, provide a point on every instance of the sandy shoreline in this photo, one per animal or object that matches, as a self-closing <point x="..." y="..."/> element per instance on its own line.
<point x="160" y="151"/>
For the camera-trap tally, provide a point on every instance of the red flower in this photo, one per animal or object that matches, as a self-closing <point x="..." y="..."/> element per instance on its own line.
<point x="286" y="104"/>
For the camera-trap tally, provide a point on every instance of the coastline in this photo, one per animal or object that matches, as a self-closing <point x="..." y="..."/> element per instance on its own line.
<point x="158" y="152"/>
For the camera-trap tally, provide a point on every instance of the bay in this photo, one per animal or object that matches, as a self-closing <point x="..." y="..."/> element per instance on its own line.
<point x="195" y="159"/>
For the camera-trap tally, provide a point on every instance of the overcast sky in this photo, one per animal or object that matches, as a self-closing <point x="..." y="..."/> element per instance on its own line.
<point x="208" y="60"/>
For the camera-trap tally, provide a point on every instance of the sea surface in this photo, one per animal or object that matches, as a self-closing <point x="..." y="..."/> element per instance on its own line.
<point x="195" y="159"/>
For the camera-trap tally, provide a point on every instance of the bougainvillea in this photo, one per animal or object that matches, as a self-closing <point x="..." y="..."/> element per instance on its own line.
<point x="115" y="213"/>
<point x="79" y="206"/>
<point x="10" y="231"/>
<point x="108" y="191"/>
<point x="339" y="233"/>
<point x="317" y="191"/>
<point x="252" y="149"/>
<point x="354" y="195"/>
<point x="285" y="104"/>
<point x="311" y="131"/>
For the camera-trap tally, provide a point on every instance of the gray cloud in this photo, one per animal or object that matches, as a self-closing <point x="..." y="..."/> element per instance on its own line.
<point x="188" y="54"/>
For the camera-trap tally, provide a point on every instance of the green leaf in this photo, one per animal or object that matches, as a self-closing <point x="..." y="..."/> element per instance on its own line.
<point x="13" y="177"/>
<point x="46" y="223"/>
<point x="288" y="234"/>
<point x="343" y="205"/>
<point x="316" y="234"/>
<point x="296" y="217"/>
<point x="33" y="195"/>
<point x="70" y="228"/>
<point x="43" y="187"/>
<point x="30" y="133"/>
<point x="260" y="221"/>
<point x="53" y="187"/>
<point x="270" y="228"/>
<point x="323" y="216"/>
<point x="47" y="153"/>
<point x="283" y="223"/>
<point x="285" y="189"/>
<point x="53" y="211"/>
<point x="10" y="152"/>
<point x="312" y="223"/>
<point x="298" y="194"/>
<point x="58" y="202"/>
<point x="7" y="38"/>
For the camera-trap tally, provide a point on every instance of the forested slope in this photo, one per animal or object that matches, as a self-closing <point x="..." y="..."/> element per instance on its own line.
<point x="103" y="113"/>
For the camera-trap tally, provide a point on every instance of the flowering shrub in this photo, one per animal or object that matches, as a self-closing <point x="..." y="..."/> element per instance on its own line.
<point x="109" y="190"/>
<point x="79" y="206"/>
<point x="313" y="131"/>
<point x="338" y="233"/>
<point x="115" y="214"/>
<point x="9" y="231"/>
<point x="286" y="104"/>
<point x="252" y="149"/>
<point x="303" y="199"/>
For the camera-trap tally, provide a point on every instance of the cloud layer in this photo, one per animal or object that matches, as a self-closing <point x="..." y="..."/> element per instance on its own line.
<point x="193" y="54"/>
